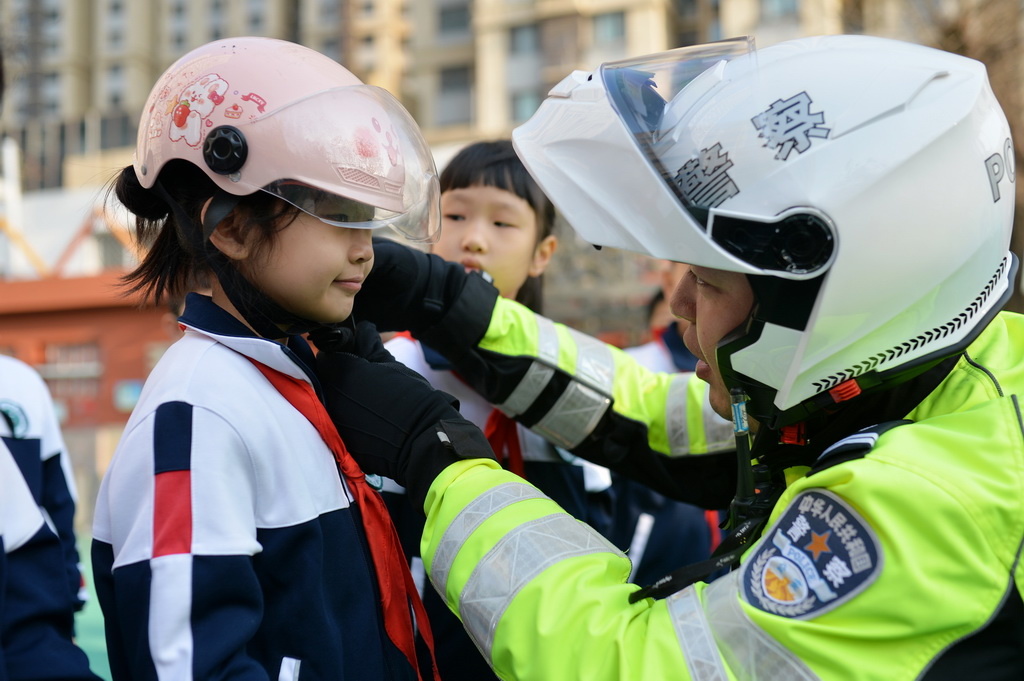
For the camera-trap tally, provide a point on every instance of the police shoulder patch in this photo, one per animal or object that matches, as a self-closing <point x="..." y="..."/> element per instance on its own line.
<point x="818" y="555"/>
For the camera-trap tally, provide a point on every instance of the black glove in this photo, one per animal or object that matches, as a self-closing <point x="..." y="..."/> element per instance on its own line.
<point x="409" y="290"/>
<point x="394" y="423"/>
<point x="362" y="340"/>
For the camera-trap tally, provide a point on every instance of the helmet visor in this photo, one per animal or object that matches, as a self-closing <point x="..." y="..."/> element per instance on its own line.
<point x="656" y="97"/>
<point x="343" y="211"/>
<point x="350" y="156"/>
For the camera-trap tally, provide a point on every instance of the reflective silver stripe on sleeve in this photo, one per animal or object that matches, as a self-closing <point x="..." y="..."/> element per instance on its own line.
<point x="470" y="518"/>
<point x="513" y="562"/>
<point x="676" y="409"/>
<point x="539" y="373"/>
<point x="695" y="637"/>
<point x="574" y="416"/>
<point x="595" y="365"/>
<point x="750" y="652"/>
<point x="719" y="433"/>
<point x="579" y="409"/>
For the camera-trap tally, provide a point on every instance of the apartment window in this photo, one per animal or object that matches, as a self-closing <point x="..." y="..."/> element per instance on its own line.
<point x="454" y="19"/>
<point x="332" y="48"/>
<point x="524" y="39"/>
<point x="455" y="80"/>
<point x="256" y="9"/>
<point x="330" y="10"/>
<point x="454" y="103"/>
<point x="115" y="86"/>
<point x="610" y="28"/>
<point x="687" y="8"/>
<point x="217" y="17"/>
<point x="778" y="9"/>
<point x="524" y="105"/>
<point x="50" y="93"/>
<point x="368" y="7"/>
<point x="117" y="130"/>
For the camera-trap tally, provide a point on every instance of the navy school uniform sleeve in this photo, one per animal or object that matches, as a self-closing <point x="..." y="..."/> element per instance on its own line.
<point x="36" y="617"/>
<point x="59" y="502"/>
<point x="165" y="606"/>
<point x="50" y="489"/>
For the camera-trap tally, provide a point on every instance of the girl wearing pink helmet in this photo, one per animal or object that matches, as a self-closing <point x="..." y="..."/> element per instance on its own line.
<point x="234" y="535"/>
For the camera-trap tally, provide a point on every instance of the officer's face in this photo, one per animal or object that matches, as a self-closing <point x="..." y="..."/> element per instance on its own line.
<point x="715" y="302"/>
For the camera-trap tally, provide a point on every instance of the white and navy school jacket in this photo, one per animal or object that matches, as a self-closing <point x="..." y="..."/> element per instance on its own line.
<point x="225" y="540"/>
<point x="36" y="621"/>
<point x="29" y="428"/>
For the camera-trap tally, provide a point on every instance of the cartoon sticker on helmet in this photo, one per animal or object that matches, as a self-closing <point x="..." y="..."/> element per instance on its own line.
<point x="788" y="124"/>
<point x="818" y="555"/>
<point x="194" y="105"/>
<point x="704" y="181"/>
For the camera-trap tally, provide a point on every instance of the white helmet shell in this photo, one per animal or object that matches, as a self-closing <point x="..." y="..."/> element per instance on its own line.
<point x="873" y="176"/>
<point x="265" y="114"/>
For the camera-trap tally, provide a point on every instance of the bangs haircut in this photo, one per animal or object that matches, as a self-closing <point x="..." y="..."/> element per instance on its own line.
<point x="495" y="164"/>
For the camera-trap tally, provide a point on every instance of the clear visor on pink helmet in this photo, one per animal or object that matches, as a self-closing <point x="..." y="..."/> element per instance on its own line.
<point x="350" y="156"/>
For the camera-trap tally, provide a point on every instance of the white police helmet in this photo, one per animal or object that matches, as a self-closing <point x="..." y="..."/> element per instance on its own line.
<point x="864" y="185"/>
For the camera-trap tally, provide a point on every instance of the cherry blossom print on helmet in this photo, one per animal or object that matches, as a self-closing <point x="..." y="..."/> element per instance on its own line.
<point x="252" y="112"/>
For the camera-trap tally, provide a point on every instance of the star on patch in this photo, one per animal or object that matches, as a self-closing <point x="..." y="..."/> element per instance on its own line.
<point x="819" y="544"/>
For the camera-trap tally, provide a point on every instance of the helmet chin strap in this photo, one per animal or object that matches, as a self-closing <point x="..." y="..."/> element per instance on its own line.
<point x="264" y="315"/>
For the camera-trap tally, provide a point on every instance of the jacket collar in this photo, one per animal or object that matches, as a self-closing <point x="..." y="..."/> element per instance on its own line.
<point x="294" y="357"/>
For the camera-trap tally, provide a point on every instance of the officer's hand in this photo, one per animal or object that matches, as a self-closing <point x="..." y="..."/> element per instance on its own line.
<point x="409" y="290"/>
<point x="394" y="423"/>
<point x="363" y="341"/>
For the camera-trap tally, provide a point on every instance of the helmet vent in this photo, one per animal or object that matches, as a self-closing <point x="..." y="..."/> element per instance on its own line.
<point x="926" y="338"/>
<point x="356" y="176"/>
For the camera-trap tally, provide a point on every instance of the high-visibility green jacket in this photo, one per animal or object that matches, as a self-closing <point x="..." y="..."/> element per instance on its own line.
<point x="900" y="562"/>
<point x="598" y="402"/>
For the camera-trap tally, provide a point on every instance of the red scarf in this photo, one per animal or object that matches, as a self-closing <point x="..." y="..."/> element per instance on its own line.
<point x="397" y="589"/>
<point x="502" y="433"/>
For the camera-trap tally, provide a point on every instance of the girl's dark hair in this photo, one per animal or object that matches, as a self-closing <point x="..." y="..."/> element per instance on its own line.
<point x="495" y="164"/>
<point x="176" y="256"/>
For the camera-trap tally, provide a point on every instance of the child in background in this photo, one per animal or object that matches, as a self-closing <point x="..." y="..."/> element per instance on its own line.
<point x="494" y="219"/>
<point x="29" y="426"/>
<point x="234" y="536"/>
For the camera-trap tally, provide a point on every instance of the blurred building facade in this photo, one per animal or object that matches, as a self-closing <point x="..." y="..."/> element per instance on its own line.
<point x="79" y="71"/>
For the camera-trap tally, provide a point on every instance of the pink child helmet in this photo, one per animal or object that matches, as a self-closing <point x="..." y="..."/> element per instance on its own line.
<point x="260" y="114"/>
